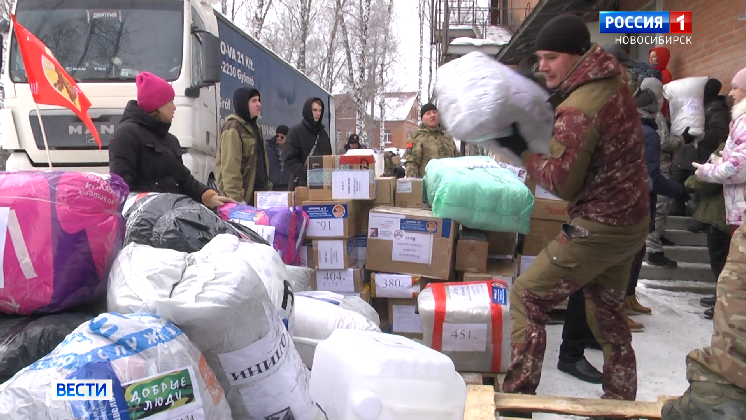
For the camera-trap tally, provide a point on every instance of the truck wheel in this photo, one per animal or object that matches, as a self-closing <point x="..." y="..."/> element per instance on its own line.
<point x="211" y="183"/>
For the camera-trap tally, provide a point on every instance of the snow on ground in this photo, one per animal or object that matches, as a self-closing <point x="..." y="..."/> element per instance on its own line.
<point x="674" y="329"/>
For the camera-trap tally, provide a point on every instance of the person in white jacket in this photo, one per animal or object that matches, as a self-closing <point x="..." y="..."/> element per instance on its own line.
<point x="717" y="374"/>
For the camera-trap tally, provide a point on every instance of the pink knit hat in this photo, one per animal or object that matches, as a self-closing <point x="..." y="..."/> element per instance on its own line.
<point x="739" y="80"/>
<point x="153" y="92"/>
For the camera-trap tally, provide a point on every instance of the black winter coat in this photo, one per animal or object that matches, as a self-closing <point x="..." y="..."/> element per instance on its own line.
<point x="661" y="185"/>
<point x="148" y="157"/>
<point x="717" y="121"/>
<point x="300" y="141"/>
<point x="279" y="174"/>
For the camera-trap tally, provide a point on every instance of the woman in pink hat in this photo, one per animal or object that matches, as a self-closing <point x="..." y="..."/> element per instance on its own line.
<point x="146" y="155"/>
<point x="717" y="374"/>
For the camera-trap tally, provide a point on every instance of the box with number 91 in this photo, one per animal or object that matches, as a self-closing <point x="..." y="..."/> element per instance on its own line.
<point x="469" y="322"/>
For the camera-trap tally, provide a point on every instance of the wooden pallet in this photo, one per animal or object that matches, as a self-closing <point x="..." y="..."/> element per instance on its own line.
<point x="482" y="378"/>
<point x="588" y="407"/>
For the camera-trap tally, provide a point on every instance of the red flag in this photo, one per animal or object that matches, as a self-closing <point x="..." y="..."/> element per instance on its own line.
<point x="50" y="83"/>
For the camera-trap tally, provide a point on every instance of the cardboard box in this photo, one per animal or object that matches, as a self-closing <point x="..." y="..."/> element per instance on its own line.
<point x="307" y="258"/>
<point x="334" y="254"/>
<point x="269" y="199"/>
<point x="404" y="319"/>
<point x="351" y="280"/>
<point x="409" y="192"/>
<point x="364" y="294"/>
<point x="331" y="219"/>
<point x="550" y="210"/>
<point x="301" y="195"/>
<point x="410" y="241"/>
<point x="506" y="270"/>
<point x="502" y="245"/>
<point x="362" y="217"/>
<point x="341" y="178"/>
<point x="385" y="189"/>
<point x="361" y="244"/>
<point x="471" y="255"/>
<point x="524" y="261"/>
<point x="541" y="234"/>
<point x="398" y="286"/>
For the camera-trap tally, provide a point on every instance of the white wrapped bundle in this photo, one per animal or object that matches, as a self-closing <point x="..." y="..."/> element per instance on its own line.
<point x="155" y="370"/>
<point x="469" y="322"/>
<point x="479" y="98"/>
<point x="222" y="304"/>
<point x="318" y="314"/>
<point x="686" y="103"/>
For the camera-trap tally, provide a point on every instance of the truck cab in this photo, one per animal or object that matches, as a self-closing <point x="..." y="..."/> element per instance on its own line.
<point x="103" y="45"/>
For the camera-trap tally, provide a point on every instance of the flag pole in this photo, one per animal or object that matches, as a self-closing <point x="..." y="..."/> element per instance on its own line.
<point x="44" y="136"/>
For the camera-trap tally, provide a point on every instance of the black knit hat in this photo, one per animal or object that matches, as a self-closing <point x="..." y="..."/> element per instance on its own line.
<point x="282" y="129"/>
<point x="354" y="138"/>
<point x="427" y="107"/>
<point x="564" y="34"/>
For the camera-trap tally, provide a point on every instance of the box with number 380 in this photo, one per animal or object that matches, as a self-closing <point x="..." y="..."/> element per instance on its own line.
<point x="469" y="322"/>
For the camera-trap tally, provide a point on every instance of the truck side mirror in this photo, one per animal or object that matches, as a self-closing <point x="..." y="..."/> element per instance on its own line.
<point x="212" y="59"/>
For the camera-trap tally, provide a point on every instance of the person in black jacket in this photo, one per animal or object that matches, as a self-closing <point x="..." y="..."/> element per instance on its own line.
<point x="648" y="107"/>
<point x="278" y="174"/>
<point x="146" y="155"/>
<point x="309" y="138"/>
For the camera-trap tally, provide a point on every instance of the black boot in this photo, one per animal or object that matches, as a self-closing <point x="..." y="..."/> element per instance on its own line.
<point x="582" y="370"/>
<point x="667" y="242"/>
<point x="659" y="259"/>
<point x="709" y="313"/>
<point x="696" y="227"/>
<point x="708" y="301"/>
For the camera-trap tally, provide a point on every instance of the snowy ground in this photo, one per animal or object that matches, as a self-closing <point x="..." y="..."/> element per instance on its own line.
<point x="675" y="328"/>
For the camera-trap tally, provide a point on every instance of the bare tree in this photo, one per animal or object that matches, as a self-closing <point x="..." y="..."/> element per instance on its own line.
<point x="261" y="8"/>
<point x="224" y="7"/>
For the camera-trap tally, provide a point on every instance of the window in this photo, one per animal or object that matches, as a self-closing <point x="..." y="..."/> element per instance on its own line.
<point x="387" y="137"/>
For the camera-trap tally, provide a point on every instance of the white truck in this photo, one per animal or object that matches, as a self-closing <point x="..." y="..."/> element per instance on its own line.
<point x="104" y="44"/>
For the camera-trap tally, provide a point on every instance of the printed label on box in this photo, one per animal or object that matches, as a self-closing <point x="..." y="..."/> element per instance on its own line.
<point x="383" y="226"/>
<point x="464" y="337"/>
<point x="266" y="232"/>
<point x="543" y="193"/>
<point x="269" y="199"/>
<point x="412" y="247"/>
<point x="339" y="281"/>
<point x="412" y="225"/>
<point x="403" y="187"/>
<point x="477" y="293"/>
<point x="499" y="294"/>
<point x="395" y="286"/>
<point x="526" y="261"/>
<point x="331" y="254"/>
<point x="351" y="185"/>
<point x="406" y="320"/>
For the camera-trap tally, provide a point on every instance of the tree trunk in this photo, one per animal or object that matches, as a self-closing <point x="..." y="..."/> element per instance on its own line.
<point x="305" y="23"/>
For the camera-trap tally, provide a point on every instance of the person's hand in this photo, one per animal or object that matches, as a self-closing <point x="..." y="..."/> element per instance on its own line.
<point x="696" y="165"/>
<point x="514" y="142"/>
<point x="688" y="138"/>
<point x="685" y="196"/>
<point x="218" y="200"/>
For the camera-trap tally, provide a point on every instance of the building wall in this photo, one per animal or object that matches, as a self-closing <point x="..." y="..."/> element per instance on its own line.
<point x="345" y="124"/>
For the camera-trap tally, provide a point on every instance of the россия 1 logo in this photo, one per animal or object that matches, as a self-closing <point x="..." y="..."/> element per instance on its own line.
<point x="646" y="22"/>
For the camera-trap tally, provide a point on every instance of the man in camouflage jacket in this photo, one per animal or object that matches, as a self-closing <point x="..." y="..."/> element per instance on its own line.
<point x="427" y="143"/>
<point x="596" y="163"/>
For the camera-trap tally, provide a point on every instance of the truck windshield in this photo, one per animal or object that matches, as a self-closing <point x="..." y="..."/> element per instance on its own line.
<point x="105" y="40"/>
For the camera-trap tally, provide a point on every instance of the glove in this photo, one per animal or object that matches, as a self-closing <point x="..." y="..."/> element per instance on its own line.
<point x="685" y="196"/>
<point x="688" y="138"/>
<point x="514" y="142"/>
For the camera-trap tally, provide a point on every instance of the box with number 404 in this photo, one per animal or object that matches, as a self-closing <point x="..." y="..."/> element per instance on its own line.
<point x="469" y="322"/>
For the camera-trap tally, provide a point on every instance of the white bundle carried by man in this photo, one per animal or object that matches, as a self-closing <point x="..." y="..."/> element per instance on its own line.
<point x="479" y="99"/>
<point x="156" y="372"/>
<point x="222" y="304"/>
<point x="686" y="103"/>
<point x="318" y="314"/>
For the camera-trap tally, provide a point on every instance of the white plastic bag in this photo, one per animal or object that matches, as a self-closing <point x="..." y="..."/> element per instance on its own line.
<point x="137" y="352"/>
<point x="300" y="279"/>
<point x="318" y="314"/>
<point x="223" y="305"/>
<point x="686" y="103"/>
<point x="479" y="98"/>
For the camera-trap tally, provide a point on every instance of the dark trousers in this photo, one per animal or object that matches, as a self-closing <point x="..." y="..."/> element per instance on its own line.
<point x="680" y="175"/>
<point x="575" y="333"/>
<point x="718" y="245"/>
<point x="634" y="273"/>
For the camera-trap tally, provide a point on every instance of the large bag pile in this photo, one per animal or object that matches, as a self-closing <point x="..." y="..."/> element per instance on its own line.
<point x="469" y="322"/>
<point x="60" y="234"/>
<point x="479" y="193"/>
<point x="479" y="98"/>
<point x="686" y="103"/>
<point x="177" y="222"/>
<point x="136" y="352"/>
<point x="26" y="339"/>
<point x="222" y="304"/>
<point x="282" y="227"/>
<point x="318" y="314"/>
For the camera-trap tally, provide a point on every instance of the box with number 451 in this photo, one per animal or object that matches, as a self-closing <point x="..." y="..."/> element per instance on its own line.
<point x="468" y="322"/>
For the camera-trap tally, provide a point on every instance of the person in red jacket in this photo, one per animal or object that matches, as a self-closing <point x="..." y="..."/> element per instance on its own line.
<point x="659" y="57"/>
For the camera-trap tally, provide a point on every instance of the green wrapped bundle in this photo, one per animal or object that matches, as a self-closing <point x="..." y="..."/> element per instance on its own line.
<point x="479" y="193"/>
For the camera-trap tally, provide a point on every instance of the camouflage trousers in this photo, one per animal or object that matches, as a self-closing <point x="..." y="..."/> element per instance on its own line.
<point x="662" y="207"/>
<point x="724" y="362"/>
<point x="597" y="258"/>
